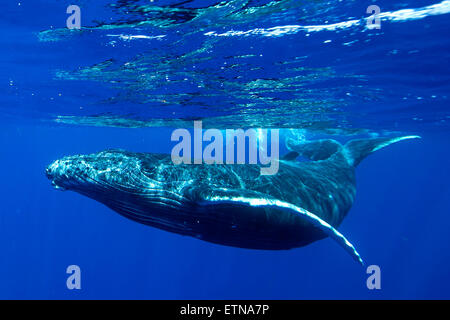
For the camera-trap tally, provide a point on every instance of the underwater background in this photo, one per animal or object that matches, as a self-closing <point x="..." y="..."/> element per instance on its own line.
<point x="137" y="70"/>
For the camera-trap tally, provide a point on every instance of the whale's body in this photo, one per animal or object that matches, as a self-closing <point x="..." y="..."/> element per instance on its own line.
<point x="228" y="204"/>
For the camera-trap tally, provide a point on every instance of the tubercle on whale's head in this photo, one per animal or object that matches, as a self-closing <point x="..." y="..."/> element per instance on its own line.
<point x="84" y="172"/>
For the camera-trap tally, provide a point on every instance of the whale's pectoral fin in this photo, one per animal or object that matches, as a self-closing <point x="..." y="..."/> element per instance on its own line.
<point x="314" y="150"/>
<point x="356" y="150"/>
<point x="307" y="216"/>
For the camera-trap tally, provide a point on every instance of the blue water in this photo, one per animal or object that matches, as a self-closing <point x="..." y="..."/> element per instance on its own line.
<point x="135" y="71"/>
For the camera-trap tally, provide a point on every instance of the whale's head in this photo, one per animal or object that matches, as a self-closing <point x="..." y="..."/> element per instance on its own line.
<point x="132" y="184"/>
<point x="100" y="172"/>
<point x="143" y="187"/>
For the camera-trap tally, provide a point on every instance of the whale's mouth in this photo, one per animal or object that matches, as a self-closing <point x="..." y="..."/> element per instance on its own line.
<point x="49" y="172"/>
<point x="57" y="187"/>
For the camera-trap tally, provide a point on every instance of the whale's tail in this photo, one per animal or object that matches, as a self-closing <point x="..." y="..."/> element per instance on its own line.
<point x="350" y="154"/>
<point x="353" y="151"/>
<point x="356" y="150"/>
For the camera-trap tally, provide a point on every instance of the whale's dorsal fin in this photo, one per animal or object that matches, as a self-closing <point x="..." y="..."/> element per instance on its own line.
<point x="356" y="150"/>
<point x="309" y="217"/>
<point x="314" y="150"/>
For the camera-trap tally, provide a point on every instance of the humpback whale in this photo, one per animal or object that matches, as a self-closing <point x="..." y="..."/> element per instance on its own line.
<point x="227" y="204"/>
